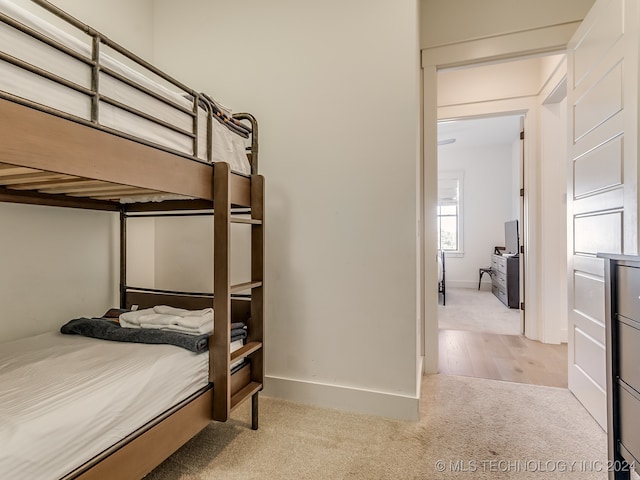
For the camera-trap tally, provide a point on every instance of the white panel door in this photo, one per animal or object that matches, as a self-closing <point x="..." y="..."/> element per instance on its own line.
<point x="602" y="191"/>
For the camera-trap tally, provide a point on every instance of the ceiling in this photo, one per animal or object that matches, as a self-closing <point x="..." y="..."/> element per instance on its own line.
<point x="503" y="130"/>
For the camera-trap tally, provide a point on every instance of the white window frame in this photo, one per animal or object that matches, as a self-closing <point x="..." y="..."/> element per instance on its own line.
<point x="459" y="176"/>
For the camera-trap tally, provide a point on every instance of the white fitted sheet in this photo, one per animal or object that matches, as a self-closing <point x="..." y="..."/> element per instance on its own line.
<point x="66" y="398"/>
<point x="226" y="146"/>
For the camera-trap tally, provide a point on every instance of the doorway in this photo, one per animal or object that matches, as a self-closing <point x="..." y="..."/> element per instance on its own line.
<point x="479" y="177"/>
<point x="472" y="339"/>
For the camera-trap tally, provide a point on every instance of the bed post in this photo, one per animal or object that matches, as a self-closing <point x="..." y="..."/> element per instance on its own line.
<point x="219" y="355"/>
<point x="123" y="257"/>
<point x="256" y="327"/>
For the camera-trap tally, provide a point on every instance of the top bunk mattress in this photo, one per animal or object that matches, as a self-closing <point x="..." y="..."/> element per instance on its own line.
<point x="176" y="128"/>
<point x="65" y="399"/>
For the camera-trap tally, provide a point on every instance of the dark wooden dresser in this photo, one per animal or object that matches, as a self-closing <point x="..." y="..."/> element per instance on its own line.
<point x="505" y="279"/>
<point x="622" y="304"/>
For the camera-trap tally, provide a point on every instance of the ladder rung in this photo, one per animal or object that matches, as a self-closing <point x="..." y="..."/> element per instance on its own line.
<point x="241" y="287"/>
<point x="249" y="221"/>
<point x="248" y="349"/>
<point x="245" y="393"/>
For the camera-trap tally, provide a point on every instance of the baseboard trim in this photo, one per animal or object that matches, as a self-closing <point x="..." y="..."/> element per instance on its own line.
<point x="401" y="407"/>
<point x="564" y="335"/>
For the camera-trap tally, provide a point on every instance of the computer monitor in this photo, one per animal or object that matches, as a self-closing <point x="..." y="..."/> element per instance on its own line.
<point x="511" y="237"/>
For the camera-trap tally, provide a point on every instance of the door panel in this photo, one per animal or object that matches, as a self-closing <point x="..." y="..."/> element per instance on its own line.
<point x="587" y="300"/>
<point x="604" y="201"/>
<point x="602" y="194"/>
<point x="599" y="169"/>
<point x="598" y="233"/>
<point x="601" y="102"/>
<point x="587" y="352"/>
<point x="602" y="36"/>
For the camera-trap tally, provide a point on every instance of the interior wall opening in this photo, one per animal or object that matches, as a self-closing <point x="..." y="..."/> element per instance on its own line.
<point x="480" y="154"/>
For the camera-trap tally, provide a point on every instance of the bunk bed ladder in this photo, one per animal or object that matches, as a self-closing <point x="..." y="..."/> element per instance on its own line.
<point x="225" y="396"/>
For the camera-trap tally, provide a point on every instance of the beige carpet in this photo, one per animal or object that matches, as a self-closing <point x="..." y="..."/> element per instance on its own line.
<point x="469" y="428"/>
<point x="478" y="311"/>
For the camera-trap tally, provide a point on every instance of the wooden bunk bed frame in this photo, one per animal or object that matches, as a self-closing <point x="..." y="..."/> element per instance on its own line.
<point x="90" y="167"/>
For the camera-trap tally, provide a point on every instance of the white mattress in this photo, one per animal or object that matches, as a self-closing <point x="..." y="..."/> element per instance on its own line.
<point x="227" y="146"/>
<point x="66" y="398"/>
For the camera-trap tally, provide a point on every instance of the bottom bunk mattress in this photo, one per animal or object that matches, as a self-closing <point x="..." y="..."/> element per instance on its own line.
<point x="64" y="399"/>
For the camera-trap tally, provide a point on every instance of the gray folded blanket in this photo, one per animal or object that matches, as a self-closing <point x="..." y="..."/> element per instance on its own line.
<point x="238" y="334"/>
<point x="109" y="330"/>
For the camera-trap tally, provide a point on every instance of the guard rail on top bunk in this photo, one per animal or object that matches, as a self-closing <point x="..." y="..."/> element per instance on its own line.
<point x="96" y="62"/>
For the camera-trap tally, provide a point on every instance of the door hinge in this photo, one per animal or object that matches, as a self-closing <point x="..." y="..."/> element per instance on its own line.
<point x="522" y="249"/>
<point x="522" y="135"/>
<point x="522" y="192"/>
<point x="522" y="306"/>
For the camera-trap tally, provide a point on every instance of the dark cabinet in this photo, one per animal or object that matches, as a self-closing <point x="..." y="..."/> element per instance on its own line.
<point x="505" y="279"/>
<point x="622" y="335"/>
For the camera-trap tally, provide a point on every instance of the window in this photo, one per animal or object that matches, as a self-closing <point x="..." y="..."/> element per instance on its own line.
<point x="449" y="213"/>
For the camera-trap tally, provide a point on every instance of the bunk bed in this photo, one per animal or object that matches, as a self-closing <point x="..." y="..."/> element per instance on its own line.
<point x="84" y="123"/>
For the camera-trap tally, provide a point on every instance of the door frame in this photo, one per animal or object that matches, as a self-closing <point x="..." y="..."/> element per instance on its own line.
<point x="503" y="47"/>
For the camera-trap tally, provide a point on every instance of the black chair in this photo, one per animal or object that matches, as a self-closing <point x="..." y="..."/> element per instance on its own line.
<point x="482" y="271"/>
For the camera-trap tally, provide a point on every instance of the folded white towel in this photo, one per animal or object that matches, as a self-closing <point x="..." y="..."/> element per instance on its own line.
<point x="165" y="317"/>
<point x="133" y="318"/>
<point x="205" y="328"/>
<point x="181" y="312"/>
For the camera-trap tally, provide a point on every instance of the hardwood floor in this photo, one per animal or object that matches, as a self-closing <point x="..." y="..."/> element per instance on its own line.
<point x="512" y="358"/>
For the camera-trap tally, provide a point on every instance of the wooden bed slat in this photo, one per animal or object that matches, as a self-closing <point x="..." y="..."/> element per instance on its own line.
<point x="12" y="171"/>
<point x="80" y="186"/>
<point x="35" y="198"/>
<point x="65" y="180"/>
<point x="113" y="193"/>
<point x="29" y="178"/>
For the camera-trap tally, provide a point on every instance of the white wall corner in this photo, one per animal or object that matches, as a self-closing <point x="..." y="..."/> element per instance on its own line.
<point x="368" y="402"/>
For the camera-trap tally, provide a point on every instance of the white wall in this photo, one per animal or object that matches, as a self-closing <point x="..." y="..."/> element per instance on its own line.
<point x="55" y="264"/>
<point x="487" y="204"/>
<point x="490" y="82"/>
<point x="126" y="22"/>
<point x="141" y="252"/>
<point x="334" y="86"/>
<point x="176" y="266"/>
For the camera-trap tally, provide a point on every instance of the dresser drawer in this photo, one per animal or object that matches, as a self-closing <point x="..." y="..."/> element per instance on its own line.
<point x="500" y="293"/>
<point x="501" y="265"/>
<point x="629" y="413"/>
<point x="629" y="354"/>
<point x="500" y="279"/>
<point x="629" y="292"/>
